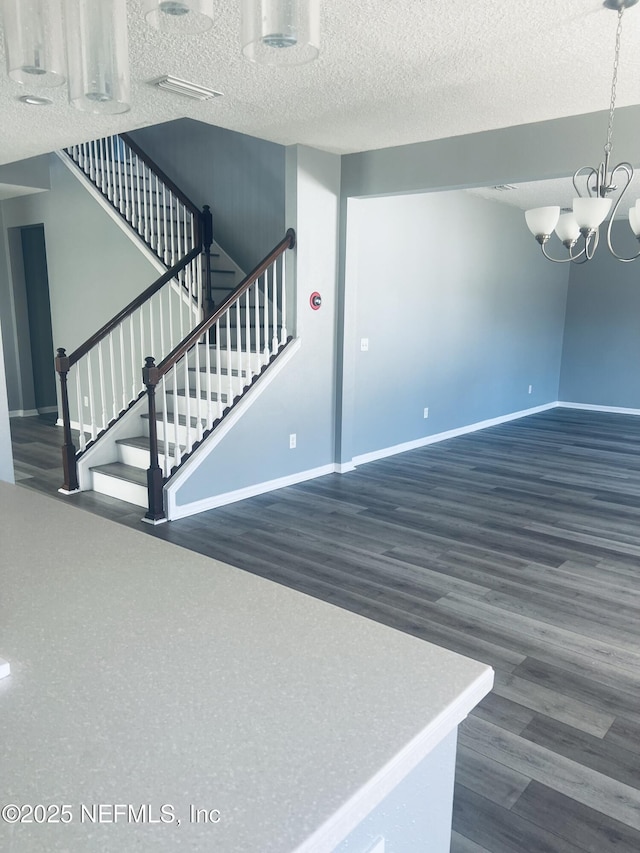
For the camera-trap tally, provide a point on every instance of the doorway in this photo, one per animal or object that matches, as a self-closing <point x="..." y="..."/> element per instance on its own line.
<point x="36" y="283"/>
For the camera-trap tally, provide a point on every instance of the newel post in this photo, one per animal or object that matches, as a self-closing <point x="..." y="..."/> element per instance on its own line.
<point x="69" y="466"/>
<point x="150" y="378"/>
<point x="206" y="221"/>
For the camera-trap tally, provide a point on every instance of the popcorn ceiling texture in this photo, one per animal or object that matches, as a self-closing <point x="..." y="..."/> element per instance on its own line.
<point x="390" y="72"/>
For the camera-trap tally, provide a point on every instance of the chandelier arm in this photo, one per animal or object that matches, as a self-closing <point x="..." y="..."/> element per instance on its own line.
<point x="562" y="260"/>
<point x="627" y="168"/>
<point x="592" y="240"/>
<point x="589" y="171"/>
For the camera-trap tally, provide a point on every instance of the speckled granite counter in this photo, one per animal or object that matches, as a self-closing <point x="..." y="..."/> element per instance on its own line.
<point x="146" y="675"/>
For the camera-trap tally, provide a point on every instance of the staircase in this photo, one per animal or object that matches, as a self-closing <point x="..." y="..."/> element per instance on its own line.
<point x="141" y="416"/>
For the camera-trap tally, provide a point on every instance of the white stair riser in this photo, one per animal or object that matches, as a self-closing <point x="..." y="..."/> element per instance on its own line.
<point x="138" y="457"/>
<point x="182" y="433"/>
<point x="229" y="386"/>
<point x="121" y="489"/>
<point x="196" y="407"/>
<point x="238" y="360"/>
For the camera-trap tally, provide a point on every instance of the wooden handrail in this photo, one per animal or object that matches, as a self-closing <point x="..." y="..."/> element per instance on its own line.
<point x="102" y="333"/>
<point x="288" y="242"/>
<point x="162" y="175"/>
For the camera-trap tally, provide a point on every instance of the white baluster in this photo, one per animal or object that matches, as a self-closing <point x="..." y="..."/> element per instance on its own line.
<point x="283" y="299"/>
<point x="165" y="227"/>
<point x="92" y="160"/>
<point x="198" y="383"/>
<point x="274" y="309"/>
<point x="218" y="368"/>
<point x="265" y="310"/>
<point x="177" y="451"/>
<point x="160" y="240"/>
<point x="100" y="161"/>
<point x="165" y="428"/>
<point x="207" y="367"/>
<point x="256" y="325"/>
<point x="103" y="396"/>
<point x="92" y="409"/>
<point x="152" y="337"/>
<point x="142" y="346"/>
<point x="247" y="338"/>
<point x="148" y="205"/>
<point x="112" y="366"/>
<point x="142" y="222"/>
<point x="122" y="368"/>
<point x="172" y="228"/>
<point x="169" y="289"/>
<point x="114" y="173"/>
<point x="80" y="402"/>
<point x="127" y="178"/>
<point x="134" y="360"/>
<point x="236" y="306"/>
<point x="229" y="364"/>
<point x="187" y="402"/>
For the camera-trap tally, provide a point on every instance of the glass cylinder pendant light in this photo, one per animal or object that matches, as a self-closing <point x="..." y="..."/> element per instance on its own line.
<point x="34" y="45"/>
<point x="179" y="17"/>
<point x="281" y="32"/>
<point x="98" y="55"/>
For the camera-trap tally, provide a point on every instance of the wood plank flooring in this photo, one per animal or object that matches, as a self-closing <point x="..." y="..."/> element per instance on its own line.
<point x="518" y="546"/>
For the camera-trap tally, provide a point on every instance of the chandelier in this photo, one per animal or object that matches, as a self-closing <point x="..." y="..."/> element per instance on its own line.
<point x="579" y="230"/>
<point x="84" y="42"/>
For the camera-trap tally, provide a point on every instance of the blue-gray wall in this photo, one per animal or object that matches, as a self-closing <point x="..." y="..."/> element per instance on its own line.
<point x="461" y="312"/>
<point x="301" y="399"/>
<point x="240" y="177"/>
<point x="94" y="271"/>
<point x="601" y="353"/>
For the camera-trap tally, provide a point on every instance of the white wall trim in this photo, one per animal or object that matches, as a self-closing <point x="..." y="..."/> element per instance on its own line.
<point x="24" y="413"/>
<point x="616" y="410"/>
<point x="451" y="433"/>
<point x="248" y="492"/>
<point x="344" y="467"/>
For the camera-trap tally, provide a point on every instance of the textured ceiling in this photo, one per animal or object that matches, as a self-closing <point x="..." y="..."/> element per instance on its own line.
<point x="559" y="191"/>
<point x="390" y="72"/>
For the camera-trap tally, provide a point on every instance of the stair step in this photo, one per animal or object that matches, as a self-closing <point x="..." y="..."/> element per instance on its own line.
<point x="203" y="395"/>
<point x="182" y="419"/>
<point x="125" y="482"/>
<point x="141" y="442"/>
<point x="123" y="472"/>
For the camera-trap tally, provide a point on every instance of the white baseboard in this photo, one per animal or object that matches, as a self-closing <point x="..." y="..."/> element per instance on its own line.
<point x="451" y="433"/>
<point x="195" y="507"/>
<point x="344" y="467"/>
<point x="47" y="410"/>
<point x="24" y="413"/>
<point x="616" y="410"/>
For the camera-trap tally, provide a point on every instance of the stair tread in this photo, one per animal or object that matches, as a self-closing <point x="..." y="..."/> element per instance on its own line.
<point x="123" y="472"/>
<point x="142" y="442"/>
<point x="182" y="419"/>
<point x="203" y="395"/>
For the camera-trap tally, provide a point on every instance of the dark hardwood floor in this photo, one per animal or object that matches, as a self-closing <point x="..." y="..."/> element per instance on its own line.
<point x="518" y="546"/>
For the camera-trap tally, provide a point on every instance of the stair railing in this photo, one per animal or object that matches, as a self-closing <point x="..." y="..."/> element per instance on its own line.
<point x="107" y="379"/>
<point x="239" y="340"/>
<point x="161" y="214"/>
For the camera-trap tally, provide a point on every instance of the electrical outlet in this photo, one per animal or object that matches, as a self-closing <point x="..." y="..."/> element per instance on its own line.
<point x="364" y="344"/>
<point x="86" y="401"/>
<point x="426" y="412"/>
<point x="530" y="388"/>
<point x="292" y="441"/>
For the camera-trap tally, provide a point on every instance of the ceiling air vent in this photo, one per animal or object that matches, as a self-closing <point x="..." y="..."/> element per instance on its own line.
<point x="183" y="87"/>
<point x="503" y="188"/>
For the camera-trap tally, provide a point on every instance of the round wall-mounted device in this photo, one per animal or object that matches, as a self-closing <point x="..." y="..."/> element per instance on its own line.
<point x="315" y="300"/>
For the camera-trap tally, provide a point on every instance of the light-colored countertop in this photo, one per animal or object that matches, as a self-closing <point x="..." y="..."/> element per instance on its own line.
<point x="142" y="673"/>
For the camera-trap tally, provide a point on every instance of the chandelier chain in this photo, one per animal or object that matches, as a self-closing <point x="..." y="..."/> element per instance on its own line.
<point x="614" y="83"/>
